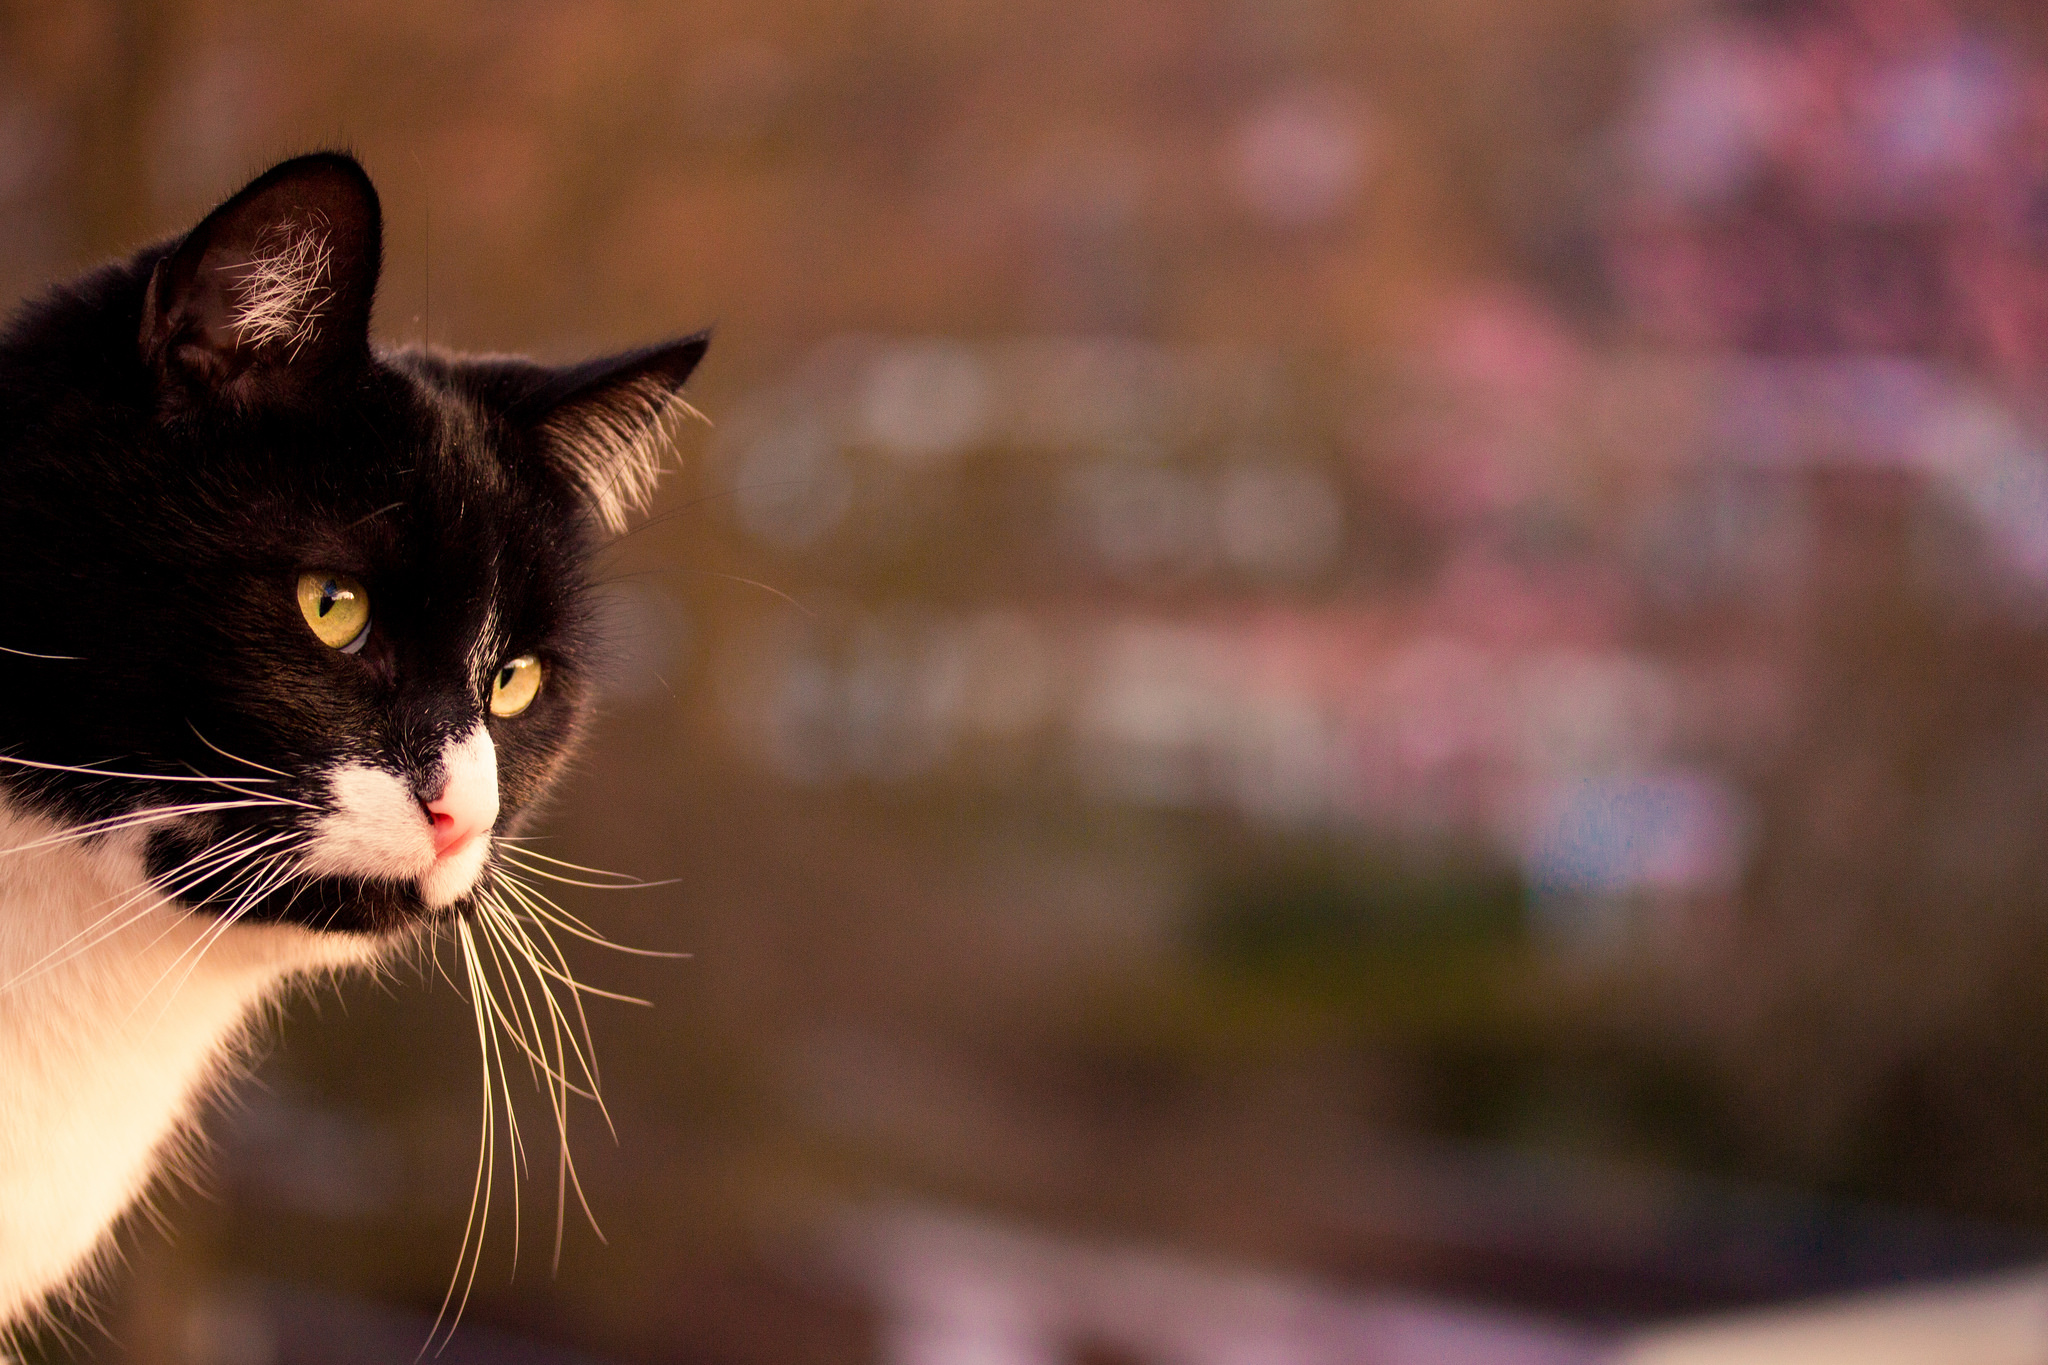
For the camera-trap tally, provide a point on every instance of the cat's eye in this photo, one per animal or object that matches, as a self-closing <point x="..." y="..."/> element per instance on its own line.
<point x="337" y="608"/>
<point x="515" y="685"/>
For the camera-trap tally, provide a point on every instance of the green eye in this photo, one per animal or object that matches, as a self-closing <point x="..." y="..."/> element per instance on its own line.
<point x="337" y="608"/>
<point x="515" y="686"/>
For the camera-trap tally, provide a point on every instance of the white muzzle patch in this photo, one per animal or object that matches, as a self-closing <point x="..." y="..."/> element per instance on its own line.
<point x="376" y="829"/>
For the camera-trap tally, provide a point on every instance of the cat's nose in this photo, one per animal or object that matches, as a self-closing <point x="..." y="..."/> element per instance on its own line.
<point x="451" y="830"/>
<point x="467" y="804"/>
<point x="459" y="814"/>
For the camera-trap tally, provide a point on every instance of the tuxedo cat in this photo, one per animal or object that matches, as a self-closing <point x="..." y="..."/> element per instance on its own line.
<point x="294" y="632"/>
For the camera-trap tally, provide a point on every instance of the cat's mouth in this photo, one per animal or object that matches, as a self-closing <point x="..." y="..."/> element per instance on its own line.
<point x="380" y="850"/>
<point x="235" y="879"/>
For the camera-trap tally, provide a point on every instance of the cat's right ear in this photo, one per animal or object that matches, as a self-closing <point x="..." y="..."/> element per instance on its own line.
<point x="270" y="295"/>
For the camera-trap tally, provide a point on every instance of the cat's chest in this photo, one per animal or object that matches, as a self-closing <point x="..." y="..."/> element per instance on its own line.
<point x="117" y="1012"/>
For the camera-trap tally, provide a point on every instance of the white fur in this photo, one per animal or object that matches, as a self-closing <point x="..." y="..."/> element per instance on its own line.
<point x="373" y="828"/>
<point x="119" y="1011"/>
<point x="109" y="1042"/>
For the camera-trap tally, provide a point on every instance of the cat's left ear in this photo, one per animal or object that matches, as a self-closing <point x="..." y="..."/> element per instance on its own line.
<point x="605" y="423"/>
<point x="270" y="295"/>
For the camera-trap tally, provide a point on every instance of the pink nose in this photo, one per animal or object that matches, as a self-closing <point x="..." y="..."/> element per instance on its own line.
<point x="465" y="808"/>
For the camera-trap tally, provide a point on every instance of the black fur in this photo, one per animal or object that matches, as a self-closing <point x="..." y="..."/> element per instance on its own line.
<point x="163" y="482"/>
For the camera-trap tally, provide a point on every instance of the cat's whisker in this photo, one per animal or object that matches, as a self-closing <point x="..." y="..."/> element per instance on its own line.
<point x="260" y="873"/>
<point x="538" y="919"/>
<point x="237" y="758"/>
<point x="494" y="1024"/>
<point x="500" y="920"/>
<point x="433" y="941"/>
<point x="477" y="1223"/>
<point x="600" y="886"/>
<point x="558" y="1098"/>
<point x="87" y="771"/>
<point x="368" y="517"/>
<point x="305" y="883"/>
<point x="565" y="1036"/>
<point x="768" y="588"/>
<point x="114" y="824"/>
<point x="155" y="897"/>
<point x="230" y="867"/>
<point x="562" y="862"/>
<point x="511" y="879"/>
<point x="520" y="857"/>
<point x="505" y="1027"/>
<point x="194" y="869"/>
<point x="264" y="877"/>
<point x="499" y="923"/>
<point x="480" y="1185"/>
<point x="531" y="898"/>
<point x="515" y="1024"/>
<point x="240" y="786"/>
<point x="488" y="919"/>
<point x="586" y="1053"/>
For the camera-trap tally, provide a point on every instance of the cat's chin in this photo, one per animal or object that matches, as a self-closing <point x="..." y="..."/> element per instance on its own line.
<point x="454" y="874"/>
<point x="348" y="907"/>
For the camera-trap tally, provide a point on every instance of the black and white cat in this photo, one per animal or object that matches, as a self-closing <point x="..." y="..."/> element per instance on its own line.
<point x="293" y="634"/>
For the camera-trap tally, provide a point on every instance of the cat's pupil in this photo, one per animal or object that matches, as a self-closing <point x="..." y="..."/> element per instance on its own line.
<point x="505" y="676"/>
<point x="330" y="593"/>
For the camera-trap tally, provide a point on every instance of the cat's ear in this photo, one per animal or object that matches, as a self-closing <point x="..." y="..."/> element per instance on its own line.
<point x="271" y="293"/>
<point x="605" y="424"/>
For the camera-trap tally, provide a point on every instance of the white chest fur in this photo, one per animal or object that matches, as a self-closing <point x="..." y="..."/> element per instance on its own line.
<point x="117" y="1013"/>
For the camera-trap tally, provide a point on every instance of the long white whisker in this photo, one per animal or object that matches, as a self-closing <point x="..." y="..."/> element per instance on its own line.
<point x="488" y="920"/>
<point x="520" y="846"/>
<point x="169" y="886"/>
<point x="530" y="896"/>
<point x="565" y="1165"/>
<point x="236" y="758"/>
<point x="114" y="824"/>
<point x="493" y="910"/>
<point x="538" y="919"/>
<point x="111" y="772"/>
<point x="505" y="1026"/>
<point x="512" y="878"/>
<point x="586" y="1053"/>
<point x="564" y="1036"/>
<point x="239" y="786"/>
<point x="251" y="864"/>
<point x="593" y="886"/>
<point x="514" y="1022"/>
<point x="274" y="871"/>
<point x="486" y="1158"/>
<point x="622" y="882"/>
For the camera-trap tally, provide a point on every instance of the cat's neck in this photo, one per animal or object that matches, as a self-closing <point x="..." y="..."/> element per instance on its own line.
<point x="118" y="1012"/>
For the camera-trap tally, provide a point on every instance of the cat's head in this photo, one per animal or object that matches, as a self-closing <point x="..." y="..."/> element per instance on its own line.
<point x="333" y="599"/>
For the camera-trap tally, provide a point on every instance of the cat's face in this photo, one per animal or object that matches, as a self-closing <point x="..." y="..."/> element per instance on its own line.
<point x="334" y="601"/>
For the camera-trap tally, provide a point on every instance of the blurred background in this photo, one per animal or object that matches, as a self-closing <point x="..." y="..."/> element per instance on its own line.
<point x="1334" y="682"/>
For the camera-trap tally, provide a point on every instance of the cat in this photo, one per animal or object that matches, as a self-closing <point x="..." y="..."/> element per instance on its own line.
<point x="295" y="632"/>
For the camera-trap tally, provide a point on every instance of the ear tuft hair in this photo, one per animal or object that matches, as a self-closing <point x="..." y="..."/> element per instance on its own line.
<point x="286" y="286"/>
<point x="608" y="424"/>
